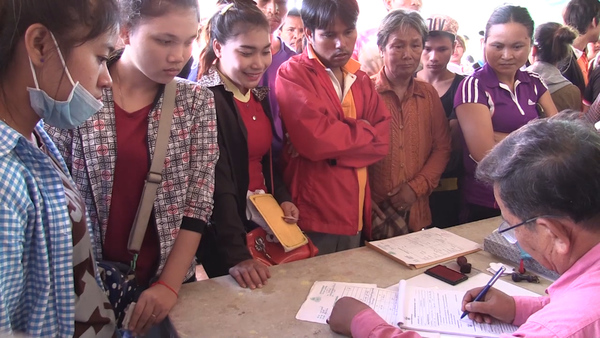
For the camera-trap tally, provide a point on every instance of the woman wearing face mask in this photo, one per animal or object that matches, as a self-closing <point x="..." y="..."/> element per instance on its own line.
<point x="232" y="64"/>
<point x="496" y="100"/>
<point x="53" y="68"/>
<point x="109" y="156"/>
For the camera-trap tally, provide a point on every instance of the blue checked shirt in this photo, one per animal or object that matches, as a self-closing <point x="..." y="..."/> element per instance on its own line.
<point x="36" y="250"/>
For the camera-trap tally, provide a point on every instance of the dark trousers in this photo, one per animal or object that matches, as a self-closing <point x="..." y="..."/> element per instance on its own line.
<point x="473" y="212"/>
<point x="330" y="243"/>
<point x="208" y="255"/>
<point x="445" y="208"/>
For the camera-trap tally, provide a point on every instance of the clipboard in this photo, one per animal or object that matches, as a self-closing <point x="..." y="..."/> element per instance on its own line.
<point x="289" y="235"/>
<point x="424" y="248"/>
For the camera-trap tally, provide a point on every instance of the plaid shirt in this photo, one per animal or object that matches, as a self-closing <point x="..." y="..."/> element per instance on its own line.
<point x="36" y="250"/>
<point x="188" y="177"/>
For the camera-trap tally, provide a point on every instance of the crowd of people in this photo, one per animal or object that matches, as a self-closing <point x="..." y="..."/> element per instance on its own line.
<point x="357" y="135"/>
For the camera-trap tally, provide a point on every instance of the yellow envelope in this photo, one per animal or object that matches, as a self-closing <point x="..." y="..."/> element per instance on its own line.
<point x="289" y="235"/>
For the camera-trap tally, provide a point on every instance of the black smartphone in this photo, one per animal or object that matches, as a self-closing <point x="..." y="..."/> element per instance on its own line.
<point x="446" y="274"/>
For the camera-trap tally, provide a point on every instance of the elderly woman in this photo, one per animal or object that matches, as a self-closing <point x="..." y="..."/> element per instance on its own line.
<point x="420" y="141"/>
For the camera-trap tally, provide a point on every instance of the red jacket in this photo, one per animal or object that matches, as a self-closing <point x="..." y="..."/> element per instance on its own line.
<point x="323" y="179"/>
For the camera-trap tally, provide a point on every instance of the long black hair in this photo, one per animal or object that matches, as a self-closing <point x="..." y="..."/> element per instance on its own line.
<point x="552" y="41"/>
<point x="72" y="22"/>
<point x="507" y="14"/>
<point x="230" y="20"/>
<point x="134" y="10"/>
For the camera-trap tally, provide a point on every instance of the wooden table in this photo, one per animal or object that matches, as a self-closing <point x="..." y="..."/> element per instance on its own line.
<point x="220" y="308"/>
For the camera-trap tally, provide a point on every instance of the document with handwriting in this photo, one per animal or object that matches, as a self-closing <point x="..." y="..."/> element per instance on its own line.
<point x="439" y="310"/>
<point x="423" y="248"/>
<point x="429" y="310"/>
<point x="323" y="295"/>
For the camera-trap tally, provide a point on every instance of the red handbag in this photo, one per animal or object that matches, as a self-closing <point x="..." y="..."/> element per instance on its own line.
<point x="270" y="253"/>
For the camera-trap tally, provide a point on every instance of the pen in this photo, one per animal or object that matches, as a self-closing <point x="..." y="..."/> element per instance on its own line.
<point x="486" y="288"/>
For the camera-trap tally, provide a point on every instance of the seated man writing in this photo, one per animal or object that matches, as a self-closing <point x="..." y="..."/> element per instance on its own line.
<point x="546" y="180"/>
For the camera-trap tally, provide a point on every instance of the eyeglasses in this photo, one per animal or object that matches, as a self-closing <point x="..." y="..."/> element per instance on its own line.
<point x="508" y="231"/>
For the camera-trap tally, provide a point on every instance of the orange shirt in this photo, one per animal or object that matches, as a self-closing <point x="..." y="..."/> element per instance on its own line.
<point x="350" y="112"/>
<point x="584" y="64"/>
<point x="419" y="146"/>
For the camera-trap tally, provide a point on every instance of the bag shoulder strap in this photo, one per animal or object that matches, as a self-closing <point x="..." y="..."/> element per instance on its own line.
<point x="140" y="224"/>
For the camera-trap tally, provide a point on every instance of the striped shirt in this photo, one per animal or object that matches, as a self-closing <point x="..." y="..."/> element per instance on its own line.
<point x="36" y="249"/>
<point x="508" y="110"/>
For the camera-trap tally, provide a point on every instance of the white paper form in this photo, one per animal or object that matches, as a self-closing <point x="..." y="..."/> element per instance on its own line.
<point x="423" y="247"/>
<point x="323" y="295"/>
<point x="425" y="303"/>
<point x="439" y="310"/>
<point x="480" y="279"/>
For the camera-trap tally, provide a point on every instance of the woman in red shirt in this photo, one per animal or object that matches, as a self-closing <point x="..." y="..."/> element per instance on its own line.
<point x="110" y="154"/>
<point x="231" y="65"/>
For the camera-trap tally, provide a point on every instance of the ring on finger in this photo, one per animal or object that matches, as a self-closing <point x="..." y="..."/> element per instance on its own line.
<point x="153" y="316"/>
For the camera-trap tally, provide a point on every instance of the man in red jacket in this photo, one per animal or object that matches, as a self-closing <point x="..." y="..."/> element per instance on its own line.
<point x="336" y="124"/>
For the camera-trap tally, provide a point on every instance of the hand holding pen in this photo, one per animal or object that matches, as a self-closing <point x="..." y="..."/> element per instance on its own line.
<point x="485" y="289"/>
<point x="484" y="304"/>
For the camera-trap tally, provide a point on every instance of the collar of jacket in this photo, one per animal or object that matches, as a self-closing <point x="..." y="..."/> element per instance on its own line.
<point x="213" y="79"/>
<point x="352" y="66"/>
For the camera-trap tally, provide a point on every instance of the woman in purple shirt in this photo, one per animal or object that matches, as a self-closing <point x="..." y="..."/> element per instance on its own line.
<point x="496" y="100"/>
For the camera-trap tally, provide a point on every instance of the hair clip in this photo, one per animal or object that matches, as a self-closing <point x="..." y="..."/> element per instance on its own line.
<point x="226" y="8"/>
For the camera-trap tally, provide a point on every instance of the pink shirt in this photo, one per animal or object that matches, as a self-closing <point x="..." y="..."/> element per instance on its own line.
<point x="571" y="307"/>
<point x="573" y="311"/>
<point x="367" y="323"/>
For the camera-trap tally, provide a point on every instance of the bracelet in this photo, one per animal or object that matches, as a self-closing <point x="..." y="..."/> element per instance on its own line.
<point x="165" y="285"/>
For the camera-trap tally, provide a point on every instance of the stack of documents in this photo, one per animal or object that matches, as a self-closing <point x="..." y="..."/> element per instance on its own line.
<point x="421" y="303"/>
<point x="424" y="248"/>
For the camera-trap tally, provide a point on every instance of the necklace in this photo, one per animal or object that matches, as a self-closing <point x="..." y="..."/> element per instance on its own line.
<point x="253" y="115"/>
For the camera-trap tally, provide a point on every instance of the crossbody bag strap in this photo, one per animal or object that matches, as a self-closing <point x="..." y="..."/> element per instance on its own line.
<point x="140" y="224"/>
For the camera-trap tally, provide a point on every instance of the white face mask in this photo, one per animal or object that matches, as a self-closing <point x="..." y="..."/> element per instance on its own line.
<point x="69" y="114"/>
